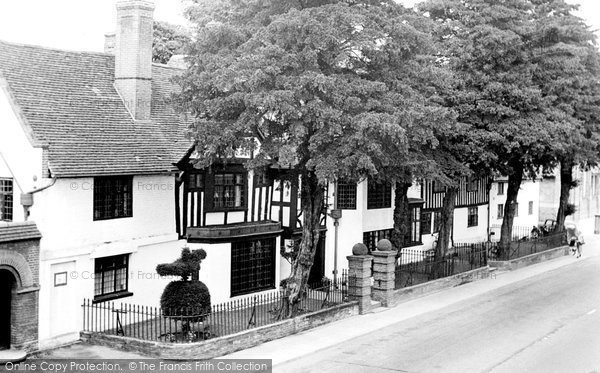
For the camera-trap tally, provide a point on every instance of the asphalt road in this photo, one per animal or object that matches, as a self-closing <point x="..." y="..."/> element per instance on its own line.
<point x="548" y="323"/>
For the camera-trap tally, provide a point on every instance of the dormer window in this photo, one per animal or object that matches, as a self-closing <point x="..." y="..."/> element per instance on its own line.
<point x="113" y="197"/>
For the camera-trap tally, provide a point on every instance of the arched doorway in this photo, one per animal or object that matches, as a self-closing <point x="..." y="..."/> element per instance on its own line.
<point x="7" y="286"/>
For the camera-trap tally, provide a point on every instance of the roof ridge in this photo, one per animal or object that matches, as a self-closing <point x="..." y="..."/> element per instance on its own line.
<point x="54" y="49"/>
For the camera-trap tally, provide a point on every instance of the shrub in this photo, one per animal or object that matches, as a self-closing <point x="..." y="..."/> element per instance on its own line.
<point x="185" y="298"/>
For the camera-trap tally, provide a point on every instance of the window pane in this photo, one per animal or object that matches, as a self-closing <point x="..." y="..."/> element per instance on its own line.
<point x="426" y="222"/>
<point x="252" y="266"/>
<point x="110" y="275"/>
<point x="229" y="190"/>
<point x="379" y="195"/>
<point x="346" y="196"/>
<point x="112" y="197"/>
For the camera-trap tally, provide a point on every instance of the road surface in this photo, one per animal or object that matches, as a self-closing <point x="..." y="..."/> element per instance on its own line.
<point x="548" y="323"/>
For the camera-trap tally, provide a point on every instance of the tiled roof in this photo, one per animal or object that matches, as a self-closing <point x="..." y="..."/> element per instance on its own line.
<point x="70" y="102"/>
<point x="10" y="232"/>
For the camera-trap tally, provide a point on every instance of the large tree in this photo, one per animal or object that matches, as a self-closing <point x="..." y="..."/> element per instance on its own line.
<point x="309" y="81"/>
<point x="490" y="47"/>
<point x="168" y="40"/>
<point x="568" y="74"/>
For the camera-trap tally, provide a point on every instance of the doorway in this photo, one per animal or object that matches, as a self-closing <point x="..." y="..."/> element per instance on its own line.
<point x="317" y="271"/>
<point x="7" y="284"/>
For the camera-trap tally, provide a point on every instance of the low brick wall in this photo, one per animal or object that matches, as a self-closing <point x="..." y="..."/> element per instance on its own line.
<point x="409" y="293"/>
<point x="530" y="259"/>
<point x="224" y="345"/>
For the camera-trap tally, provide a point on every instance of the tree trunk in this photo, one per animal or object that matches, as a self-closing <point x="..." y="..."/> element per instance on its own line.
<point x="446" y="224"/>
<point x="566" y="184"/>
<point x="401" y="215"/>
<point x="512" y="192"/>
<point x="311" y="197"/>
<point x="444" y="236"/>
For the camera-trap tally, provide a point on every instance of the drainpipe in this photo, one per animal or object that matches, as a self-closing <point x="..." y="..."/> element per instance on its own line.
<point x="27" y="198"/>
<point x="336" y="215"/>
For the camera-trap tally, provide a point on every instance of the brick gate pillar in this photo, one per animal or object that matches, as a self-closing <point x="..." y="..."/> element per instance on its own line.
<point x="359" y="277"/>
<point x="384" y="272"/>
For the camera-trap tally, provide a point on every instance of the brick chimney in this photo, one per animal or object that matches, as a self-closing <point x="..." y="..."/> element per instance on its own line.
<point x="133" y="55"/>
<point x="110" y="39"/>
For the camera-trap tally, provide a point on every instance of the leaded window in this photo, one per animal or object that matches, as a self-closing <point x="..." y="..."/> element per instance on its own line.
<point x="472" y="217"/>
<point x="195" y="181"/>
<point x="379" y="195"/>
<point x="110" y="275"/>
<point x="414" y="236"/>
<point x="346" y="195"/>
<point x="6" y="199"/>
<point x="371" y="238"/>
<point x="113" y="197"/>
<point x="229" y="190"/>
<point x="252" y="266"/>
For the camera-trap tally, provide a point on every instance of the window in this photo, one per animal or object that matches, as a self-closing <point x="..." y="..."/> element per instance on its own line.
<point x="426" y="222"/>
<point x="516" y="209"/>
<point x="110" y="276"/>
<point x="6" y="199"/>
<point x="262" y="178"/>
<point x="346" y="195"/>
<point x="379" y="195"/>
<point x="472" y="218"/>
<point x="229" y="191"/>
<point x="195" y="181"/>
<point x="472" y="185"/>
<point x="501" y="188"/>
<point x="530" y="209"/>
<point x="112" y="197"/>
<point x="414" y="236"/>
<point x="437" y="220"/>
<point x="252" y="266"/>
<point x="500" y="211"/>
<point x="438" y="187"/>
<point x="371" y="238"/>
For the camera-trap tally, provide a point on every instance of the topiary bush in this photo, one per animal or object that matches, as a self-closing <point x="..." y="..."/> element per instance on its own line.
<point x="185" y="297"/>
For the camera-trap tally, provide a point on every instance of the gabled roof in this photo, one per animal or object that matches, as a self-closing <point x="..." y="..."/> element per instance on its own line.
<point x="10" y="232"/>
<point x="69" y="102"/>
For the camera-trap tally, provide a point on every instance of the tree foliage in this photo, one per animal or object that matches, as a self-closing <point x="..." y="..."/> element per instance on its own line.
<point x="168" y="40"/>
<point x="323" y="86"/>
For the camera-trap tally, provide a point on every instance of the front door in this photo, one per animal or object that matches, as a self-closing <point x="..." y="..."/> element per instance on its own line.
<point x="7" y="282"/>
<point x="317" y="272"/>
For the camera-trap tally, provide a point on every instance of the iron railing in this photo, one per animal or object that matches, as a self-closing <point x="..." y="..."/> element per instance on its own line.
<point x="527" y="246"/>
<point x="419" y="266"/>
<point x="519" y="232"/>
<point x="190" y="324"/>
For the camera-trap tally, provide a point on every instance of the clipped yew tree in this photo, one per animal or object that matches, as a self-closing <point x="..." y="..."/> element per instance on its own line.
<point x="187" y="294"/>
<point x="313" y="87"/>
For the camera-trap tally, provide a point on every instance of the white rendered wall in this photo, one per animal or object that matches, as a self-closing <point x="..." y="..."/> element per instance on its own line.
<point x="23" y="161"/>
<point x="529" y="192"/>
<point x="60" y="311"/>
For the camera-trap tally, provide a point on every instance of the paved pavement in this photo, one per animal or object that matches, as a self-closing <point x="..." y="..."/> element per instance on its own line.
<point x="340" y="332"/>
<point x="286" y="352"/>
<point x="546" y="323"/>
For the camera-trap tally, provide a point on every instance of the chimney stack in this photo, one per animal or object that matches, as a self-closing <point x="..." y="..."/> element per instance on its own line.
<point x="133" y="55"/>
<point x="110" y="41"/>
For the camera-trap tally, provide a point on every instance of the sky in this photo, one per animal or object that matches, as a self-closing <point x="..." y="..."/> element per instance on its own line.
<point x="81" y="24"/>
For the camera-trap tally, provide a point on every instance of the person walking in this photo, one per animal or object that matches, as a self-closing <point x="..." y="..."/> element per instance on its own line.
<point x="574" y="238"/>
